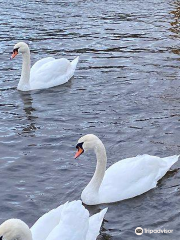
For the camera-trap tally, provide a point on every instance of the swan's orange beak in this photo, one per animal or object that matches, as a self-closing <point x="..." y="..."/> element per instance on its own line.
<point x="15" y="52"/>
<point x="79" y="152"/>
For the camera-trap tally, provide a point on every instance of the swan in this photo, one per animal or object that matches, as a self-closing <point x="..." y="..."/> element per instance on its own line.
<point x="45" y="73"/>
<point x="125" y="179"/>
<point x="69" y="221"/>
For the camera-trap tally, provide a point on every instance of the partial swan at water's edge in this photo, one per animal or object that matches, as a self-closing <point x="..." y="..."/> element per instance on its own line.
<point x="69" y="221"/>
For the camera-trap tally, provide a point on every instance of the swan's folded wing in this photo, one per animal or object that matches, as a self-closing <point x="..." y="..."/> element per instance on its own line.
<point x="133" y="176"/>
<point x="95" y="224"/>
<point x="40" y="63"/>
<point x="73" y="224"/>
<point x="51" y="74"/>
<point x="45" y="224"/>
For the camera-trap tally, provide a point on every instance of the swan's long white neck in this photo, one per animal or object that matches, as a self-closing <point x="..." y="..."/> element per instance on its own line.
<point x="98" y="176"/>
<point x="25" y="73"/>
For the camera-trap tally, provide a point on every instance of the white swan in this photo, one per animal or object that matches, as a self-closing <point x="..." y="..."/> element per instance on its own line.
<point x="67" y="222"/>
<point x="124" y="179"/>
<point x="45" y="73"/>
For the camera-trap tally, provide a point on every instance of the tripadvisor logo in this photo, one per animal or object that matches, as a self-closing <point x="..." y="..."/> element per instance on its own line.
<point x="139" y="231"/>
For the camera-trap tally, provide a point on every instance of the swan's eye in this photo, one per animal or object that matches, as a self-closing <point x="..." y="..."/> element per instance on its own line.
<point x="15" y="50"/>
<point x="80" y="150"/>
<point x="79" y="145"/>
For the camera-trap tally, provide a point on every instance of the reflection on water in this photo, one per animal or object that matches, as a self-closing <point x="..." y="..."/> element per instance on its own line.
<point x="176" y="17"/>
<point x="125" y="90"/>
<point x="29" y="110"/>
<point x="175" y="25"/>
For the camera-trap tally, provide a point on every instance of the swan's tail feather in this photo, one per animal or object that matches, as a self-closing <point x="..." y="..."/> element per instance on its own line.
<point x="74" y="63"/>
<point x="171" y="160"/>
<point x="74" y="213"/>
<point x="168" y="162"/>
<point x="73" y="223"/>
<point x="95" y="223"/>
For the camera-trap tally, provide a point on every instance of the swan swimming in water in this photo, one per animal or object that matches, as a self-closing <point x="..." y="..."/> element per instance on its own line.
<point x="125" y="179"/>
<point x="69" y="221"/>
<point x="45" y="73"/>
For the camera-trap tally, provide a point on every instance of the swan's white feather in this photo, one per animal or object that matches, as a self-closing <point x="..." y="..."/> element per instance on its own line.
<point x="133" y="176"/>
<point x="51" y="73"/>
<point x="95" y="224"/>
<point x="45" y="224"/>
<point x="40" y="63"/>
<point x="68" y="221"/>
<point x="74" y="223"/>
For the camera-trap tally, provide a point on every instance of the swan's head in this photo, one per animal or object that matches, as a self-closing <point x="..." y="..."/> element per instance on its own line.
<point x="15" y="229"/>
<point x="20" y="47"/>
<point x="87" y="142"/>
